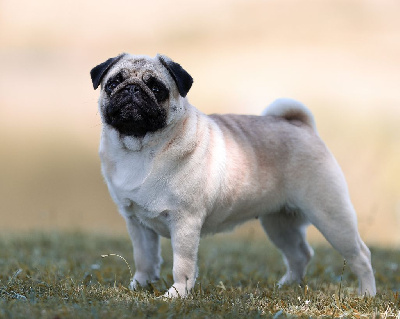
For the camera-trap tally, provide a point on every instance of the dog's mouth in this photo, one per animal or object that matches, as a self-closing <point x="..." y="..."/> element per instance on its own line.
<point x="134" y="112"/>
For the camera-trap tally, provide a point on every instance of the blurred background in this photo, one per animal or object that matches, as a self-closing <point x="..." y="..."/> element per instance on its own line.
<point x="339" y="57"/>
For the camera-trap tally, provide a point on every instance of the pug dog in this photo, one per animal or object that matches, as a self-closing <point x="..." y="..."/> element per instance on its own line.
<point x="176" y="172"/>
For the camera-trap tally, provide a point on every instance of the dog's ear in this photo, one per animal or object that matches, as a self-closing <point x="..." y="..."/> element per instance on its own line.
<point x="182" y="79"/>
<point x="98" y="72"/>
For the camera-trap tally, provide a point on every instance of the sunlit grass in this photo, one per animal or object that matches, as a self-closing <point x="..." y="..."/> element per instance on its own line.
<point x="64" y="276"/>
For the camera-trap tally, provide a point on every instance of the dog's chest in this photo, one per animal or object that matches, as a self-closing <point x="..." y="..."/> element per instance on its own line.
<point x="135" y="188"/>
<point x="125" y="175"/>
<point x="141" y="199"/>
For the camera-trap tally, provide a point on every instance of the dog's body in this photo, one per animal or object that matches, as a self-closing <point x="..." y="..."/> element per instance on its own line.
<point x="191" y="174"/>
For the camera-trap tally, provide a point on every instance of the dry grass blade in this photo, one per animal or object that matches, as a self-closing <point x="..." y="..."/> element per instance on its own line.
<point x="119" y="256"/>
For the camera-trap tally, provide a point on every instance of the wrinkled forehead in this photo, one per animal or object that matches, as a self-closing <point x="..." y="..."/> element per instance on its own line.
<point x="138" y="66"/>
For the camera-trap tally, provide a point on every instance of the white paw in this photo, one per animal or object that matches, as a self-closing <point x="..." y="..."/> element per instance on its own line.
<point x="176" y="291"/>
<point x="141" y="279"/>
<point x="289" y="278"/>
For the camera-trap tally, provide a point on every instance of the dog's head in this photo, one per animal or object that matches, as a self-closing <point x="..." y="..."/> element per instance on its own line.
<point x="139" y="94"/>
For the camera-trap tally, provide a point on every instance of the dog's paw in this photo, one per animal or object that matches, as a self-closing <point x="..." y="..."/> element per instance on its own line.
<point x="177" y="291"/>
<point x="141" y="280"/>
<point x="288" y="279"/>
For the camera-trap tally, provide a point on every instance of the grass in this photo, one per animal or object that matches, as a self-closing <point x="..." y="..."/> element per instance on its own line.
<point x="62" y="275"/>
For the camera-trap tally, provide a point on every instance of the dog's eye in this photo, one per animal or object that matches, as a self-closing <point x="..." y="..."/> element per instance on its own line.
<point x="111" y="86"/>
<point x="159" y="89"/>
<point x="160" y="92"/>
<point x="113" y="83"/>
<point x="155" y="89"/>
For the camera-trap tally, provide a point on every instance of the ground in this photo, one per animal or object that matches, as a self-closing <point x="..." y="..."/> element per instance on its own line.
<point x="63" y="275"/>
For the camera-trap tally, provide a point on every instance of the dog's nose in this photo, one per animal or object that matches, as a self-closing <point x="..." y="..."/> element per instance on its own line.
<point x="131" y="89"/>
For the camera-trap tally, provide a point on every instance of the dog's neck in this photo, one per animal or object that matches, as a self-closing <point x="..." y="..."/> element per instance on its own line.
<point x="136" y="144"/>
<point x="129" y="143"/>
<point x="153" y="140"/>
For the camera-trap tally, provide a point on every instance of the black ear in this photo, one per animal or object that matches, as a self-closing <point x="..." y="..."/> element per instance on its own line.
<point x="98" y="72"/>
<point x="182" y="79"/>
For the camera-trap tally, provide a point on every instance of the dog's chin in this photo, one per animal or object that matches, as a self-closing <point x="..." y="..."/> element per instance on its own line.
<point x="131" y="120"/>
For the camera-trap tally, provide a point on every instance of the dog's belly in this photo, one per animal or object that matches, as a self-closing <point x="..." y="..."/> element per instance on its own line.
<point x="159" y="224"/>
<point x="226" y="218"/>
<point x="220" y="221"/>
<point x="213" y="226"/>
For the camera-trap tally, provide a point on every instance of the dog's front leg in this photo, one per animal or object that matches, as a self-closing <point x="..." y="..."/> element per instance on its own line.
<point x="185" y="238"/>
<point x="146" y="253"/>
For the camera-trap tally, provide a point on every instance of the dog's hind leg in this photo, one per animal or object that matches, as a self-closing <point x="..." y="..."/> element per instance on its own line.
<point x="339" y="226"/>
<point x="326" y="204"/>
<point x="287" y="230"/>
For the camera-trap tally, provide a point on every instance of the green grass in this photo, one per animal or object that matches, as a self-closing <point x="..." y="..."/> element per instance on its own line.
<point x="62" y="275"/>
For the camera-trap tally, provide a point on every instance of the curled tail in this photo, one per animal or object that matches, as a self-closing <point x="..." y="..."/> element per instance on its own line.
<point x="291" y="110"/>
